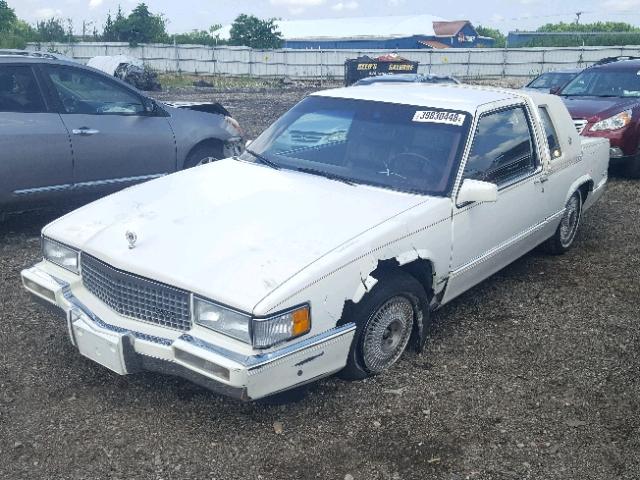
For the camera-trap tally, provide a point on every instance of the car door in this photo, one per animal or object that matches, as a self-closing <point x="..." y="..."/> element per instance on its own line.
<point x="489" y="235"/>
<point x="116" y="141"/>
<point x="35" y="153"/>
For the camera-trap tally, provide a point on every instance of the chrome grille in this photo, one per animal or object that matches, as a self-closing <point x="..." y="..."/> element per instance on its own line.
<point x="579" y="124"/>
<point x="136" y="297"/>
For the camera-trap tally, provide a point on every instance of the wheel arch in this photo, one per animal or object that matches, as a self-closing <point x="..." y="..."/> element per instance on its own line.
<point x="585" y="189"/>
<point x="584" y="184"/>
<point x="212" y="142"/>
<point x="422" y="270"/>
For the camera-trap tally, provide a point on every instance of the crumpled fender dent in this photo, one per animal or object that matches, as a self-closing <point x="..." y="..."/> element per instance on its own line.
<point x="342" y="278"/>
<point x="363" y="287"/>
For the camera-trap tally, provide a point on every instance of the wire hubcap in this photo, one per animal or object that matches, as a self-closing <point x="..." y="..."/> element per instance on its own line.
<point x="569" y="222"/>
<point x="387" y="334"/>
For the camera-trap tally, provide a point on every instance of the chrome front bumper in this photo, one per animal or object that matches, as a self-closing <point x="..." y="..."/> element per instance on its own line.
<point x="245" y="377"/>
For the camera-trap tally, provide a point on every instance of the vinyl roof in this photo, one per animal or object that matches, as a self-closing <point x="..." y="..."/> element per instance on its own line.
<point x="445" y="96"/>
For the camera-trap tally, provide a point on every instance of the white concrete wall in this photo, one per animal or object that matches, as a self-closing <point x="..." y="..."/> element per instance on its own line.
<point x="315" y="64"/>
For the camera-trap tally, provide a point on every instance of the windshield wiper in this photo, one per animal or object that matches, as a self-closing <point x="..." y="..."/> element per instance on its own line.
<point x="262" y="159"/>
<point x="330" y="176"/>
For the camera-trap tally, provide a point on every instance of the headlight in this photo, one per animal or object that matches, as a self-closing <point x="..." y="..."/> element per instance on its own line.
<point x="233" y="123"/>
<point x="281" y="327"/>
<point x="61" y="255"/>
<point x="261" y="332"/>
<point x="222" y="320"/>
<point x="616" y="122"/>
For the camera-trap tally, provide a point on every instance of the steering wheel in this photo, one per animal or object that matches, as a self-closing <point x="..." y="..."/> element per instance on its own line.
<point x="431" y="167"/>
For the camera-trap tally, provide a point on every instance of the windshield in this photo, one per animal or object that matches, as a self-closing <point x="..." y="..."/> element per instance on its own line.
<point x="401" y="147"/>
<point x="550" y="80"/>
<point x="605" y="83"/>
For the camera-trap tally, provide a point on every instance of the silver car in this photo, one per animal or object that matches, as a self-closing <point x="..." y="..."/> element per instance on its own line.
<point x="68" y="130"/>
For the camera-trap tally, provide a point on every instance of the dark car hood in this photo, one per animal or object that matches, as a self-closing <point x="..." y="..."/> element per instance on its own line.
<point x="594" y="109"/>
<point x="206" y="107"/>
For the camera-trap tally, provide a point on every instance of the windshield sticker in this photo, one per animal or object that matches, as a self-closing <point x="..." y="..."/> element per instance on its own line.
<point x="432" y="116"/>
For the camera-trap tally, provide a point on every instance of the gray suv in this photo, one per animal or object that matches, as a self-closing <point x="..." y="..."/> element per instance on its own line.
<point x="68" y="130"/>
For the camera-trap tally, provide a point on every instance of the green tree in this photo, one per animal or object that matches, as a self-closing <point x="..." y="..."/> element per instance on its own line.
<point x="588" y="27"/>
<point x="142" y="26"/>
<point x="14" y="33"/>
<point x="108" y="33"/>
<point x="114" y="29"/>
<point x="119" y="25"/>
<point x="250" y="31"/>
<point x="578" y="34"/>
<point x="200" y="37"/>
<point x="8" y="17"/>
<point x="497" y="35"/>
<point x="51" y="30"/>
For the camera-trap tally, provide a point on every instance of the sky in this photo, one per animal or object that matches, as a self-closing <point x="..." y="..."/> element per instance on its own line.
<point x="186" y="15"/>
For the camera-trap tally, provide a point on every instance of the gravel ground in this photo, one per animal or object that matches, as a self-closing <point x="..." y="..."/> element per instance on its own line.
<point x="534" y="374"/>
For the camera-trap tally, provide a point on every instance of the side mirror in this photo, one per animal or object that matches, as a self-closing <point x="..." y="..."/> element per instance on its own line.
<point x="477" y="191"/>
<point x="555" y="90"/>
<point x="150" y="106"/>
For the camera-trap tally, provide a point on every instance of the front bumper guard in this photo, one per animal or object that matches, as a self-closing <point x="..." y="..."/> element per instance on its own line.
<point x="126" y="351"/>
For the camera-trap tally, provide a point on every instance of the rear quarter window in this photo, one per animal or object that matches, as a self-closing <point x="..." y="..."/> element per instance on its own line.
<point x="550" y="133"/>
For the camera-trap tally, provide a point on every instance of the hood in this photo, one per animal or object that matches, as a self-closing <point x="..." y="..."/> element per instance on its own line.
<point x="595" y="109"/>
<point x="206" y="107"/>
<point x="231" y="231"/>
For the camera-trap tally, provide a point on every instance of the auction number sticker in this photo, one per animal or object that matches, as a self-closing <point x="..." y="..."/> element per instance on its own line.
<point x="432" y="116"/>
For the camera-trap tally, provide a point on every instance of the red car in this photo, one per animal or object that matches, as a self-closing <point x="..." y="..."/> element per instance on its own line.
<point x="604" y="101"/>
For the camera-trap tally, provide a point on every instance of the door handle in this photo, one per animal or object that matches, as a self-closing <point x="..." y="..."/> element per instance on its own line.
<point x="84" y="131"/>
<point x="541" y="179"/>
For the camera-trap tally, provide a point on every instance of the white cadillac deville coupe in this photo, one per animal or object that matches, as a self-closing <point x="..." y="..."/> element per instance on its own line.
<point x="323" y="247"/>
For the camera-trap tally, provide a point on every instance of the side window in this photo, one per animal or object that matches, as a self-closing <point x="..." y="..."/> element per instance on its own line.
<point x="85" y="92"/>
<point x="502" y="148"/>
<point x="550" y="132"/>
<point x="19" y="91"/>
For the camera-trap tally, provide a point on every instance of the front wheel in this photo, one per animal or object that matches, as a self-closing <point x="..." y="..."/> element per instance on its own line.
<point x="385" y="319"/>
<point x="565" y="234"/>
<point x="204" y="154"/>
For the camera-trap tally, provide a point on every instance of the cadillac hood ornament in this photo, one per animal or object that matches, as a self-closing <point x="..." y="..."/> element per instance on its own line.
<point x="132" y="238"/>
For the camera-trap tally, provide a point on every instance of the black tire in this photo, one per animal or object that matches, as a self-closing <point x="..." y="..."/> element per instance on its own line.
<point x="205" y="153"/>
<point x="631" y="167"/>
<point x="395" y="293"/>
<point x="564" y="236"/>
